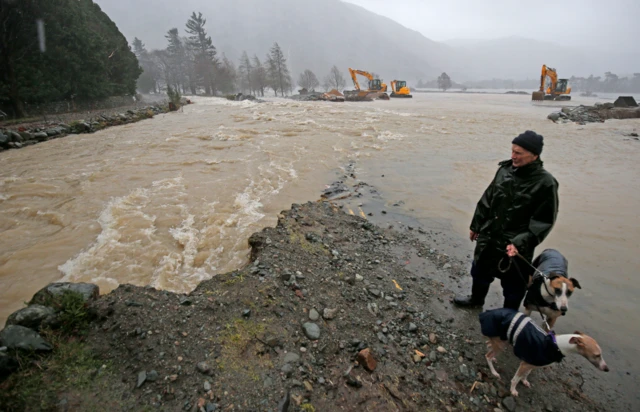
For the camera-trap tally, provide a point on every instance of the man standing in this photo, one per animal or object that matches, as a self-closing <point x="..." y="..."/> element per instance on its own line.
<point x="514" y="215"/>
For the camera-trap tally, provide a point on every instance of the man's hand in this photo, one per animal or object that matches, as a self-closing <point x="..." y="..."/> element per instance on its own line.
<point x="512" y="250"/>
<point x="473" y="236"/>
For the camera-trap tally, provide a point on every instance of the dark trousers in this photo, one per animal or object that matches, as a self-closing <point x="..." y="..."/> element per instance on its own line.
<point x="514" y="280"/>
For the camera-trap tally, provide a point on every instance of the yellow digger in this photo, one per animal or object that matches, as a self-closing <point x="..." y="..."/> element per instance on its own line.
<point x="376" y="90"/>
<point x="399" y="88"/>
<point x="557" y="89"/>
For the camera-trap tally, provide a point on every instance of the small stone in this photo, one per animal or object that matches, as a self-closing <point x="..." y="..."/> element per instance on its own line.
<point x="433" y="338"/>
<point x="417" y="358"/>
<point x="308" y="386"/>
<point x="311" y="330"/>
<point x="203" y="367"/>
<point x="291" y="357"/>
<point x="359" y="278"/>
<point x="446" y="266"/>
<point x="413" y="327"/>
<point x="211" y="407"/>
<point x="329" y="314"/>
<point x="142" y="377"/>
<point x="464" y="370"/>
<point x="365" y="358"/>
<point x="440" y="349"/>
<point x="246" y="313"/>
<point x="303" y="349"/>
<point x="374" y="292"/>
<point x="287" y="370"/>
<point x="314" y="315"/>
<point x="510" y="403"/>
<point x="207" y="386"/>
<point x="152" y="376"/>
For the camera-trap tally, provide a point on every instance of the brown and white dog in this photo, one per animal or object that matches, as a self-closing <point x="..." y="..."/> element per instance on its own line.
<point x="533" y="346"/>
<point x="551" y="287"/>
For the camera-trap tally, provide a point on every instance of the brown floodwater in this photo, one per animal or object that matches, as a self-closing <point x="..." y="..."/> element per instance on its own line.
<point x="171" y="201"/>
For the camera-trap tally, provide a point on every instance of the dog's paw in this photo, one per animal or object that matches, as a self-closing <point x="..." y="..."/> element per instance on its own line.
<point x="514" y="393"/>
<point x="526" y="383"/>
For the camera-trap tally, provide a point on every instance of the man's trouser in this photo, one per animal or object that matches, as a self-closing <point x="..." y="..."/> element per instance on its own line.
<point x="514" y="279"/>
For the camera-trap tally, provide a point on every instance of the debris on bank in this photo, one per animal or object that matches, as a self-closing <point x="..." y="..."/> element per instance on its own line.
<point x="332" y="313"/>
<point x="598" y="113"/>
<point x="330" y="96"/>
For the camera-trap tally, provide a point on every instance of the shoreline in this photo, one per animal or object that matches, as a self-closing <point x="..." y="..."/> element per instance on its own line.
<point x="242" y="334"/>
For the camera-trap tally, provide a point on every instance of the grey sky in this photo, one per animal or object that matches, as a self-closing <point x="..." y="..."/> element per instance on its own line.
<point x="612" y="25"/>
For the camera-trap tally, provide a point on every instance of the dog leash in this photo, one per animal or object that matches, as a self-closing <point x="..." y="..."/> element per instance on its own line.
<point x="537" y="273"/>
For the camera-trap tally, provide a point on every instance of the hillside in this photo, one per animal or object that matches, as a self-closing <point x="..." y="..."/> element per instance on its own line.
<point x="315" y="34"/>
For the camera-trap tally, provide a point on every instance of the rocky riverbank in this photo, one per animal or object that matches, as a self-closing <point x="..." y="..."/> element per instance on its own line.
<point x="331" y="313"/>
<point x="21" y="135"/>
<point x="594" y="114"/>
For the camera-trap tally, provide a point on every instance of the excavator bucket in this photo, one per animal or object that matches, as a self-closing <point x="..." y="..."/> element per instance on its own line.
<point x="537" y="95"/>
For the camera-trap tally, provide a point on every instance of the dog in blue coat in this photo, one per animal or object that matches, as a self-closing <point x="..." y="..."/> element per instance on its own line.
<point x="532" y="345"/>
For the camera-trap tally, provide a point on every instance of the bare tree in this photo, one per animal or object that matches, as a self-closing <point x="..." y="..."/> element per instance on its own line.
<point x="308" y="80"/>
<point x="334" y="79"/>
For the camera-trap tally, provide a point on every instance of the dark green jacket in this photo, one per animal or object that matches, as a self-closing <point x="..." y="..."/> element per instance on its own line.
<point x="518" y="207"/>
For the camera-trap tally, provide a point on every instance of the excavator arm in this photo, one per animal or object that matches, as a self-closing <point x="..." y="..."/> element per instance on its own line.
<point x="354" y="77"/>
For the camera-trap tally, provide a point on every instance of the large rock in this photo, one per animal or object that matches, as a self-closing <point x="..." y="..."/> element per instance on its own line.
<point x="4" y="140"/>
<point x="15" y="137"/>
<point x="26" y="136"/>
<point x="34" y="317"/>
<point x="19" y="337"/>
<point x="8" y="365"/>
<point x="89" y="291"/>
<point x="40" y="136"/>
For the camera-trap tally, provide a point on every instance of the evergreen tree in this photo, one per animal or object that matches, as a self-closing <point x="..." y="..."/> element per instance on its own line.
<point x="205" y="60"/>
<point x="226" y="76"/>
<point x="176" y="57"/>
<point x="278" y="72"/>
<point x="84" y="55"/>
<point x="246" y="71"/>
<point x="259" y="76"/>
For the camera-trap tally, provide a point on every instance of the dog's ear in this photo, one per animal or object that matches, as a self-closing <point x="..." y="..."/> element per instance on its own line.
<point x="576" y="341"/>
<point x="575" y="283"/>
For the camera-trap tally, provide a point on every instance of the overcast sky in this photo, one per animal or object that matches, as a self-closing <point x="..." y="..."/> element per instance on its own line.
<point x="611" y="24"/>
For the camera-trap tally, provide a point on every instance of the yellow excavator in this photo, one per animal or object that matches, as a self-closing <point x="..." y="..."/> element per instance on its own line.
<point x="376" y="88"/>
<point x="399" y="88"/>
<point x="557" y="89"/>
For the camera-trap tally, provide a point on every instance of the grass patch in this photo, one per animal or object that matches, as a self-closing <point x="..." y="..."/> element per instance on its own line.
<point x="313" y="248"/>
<point x="241" y="353"/>
<point x="72" y="366"/>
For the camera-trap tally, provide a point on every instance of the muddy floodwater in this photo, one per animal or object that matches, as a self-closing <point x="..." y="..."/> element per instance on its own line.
<point x="172" y="200"/>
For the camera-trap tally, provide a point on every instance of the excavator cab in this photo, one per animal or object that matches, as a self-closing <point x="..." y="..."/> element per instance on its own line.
<point x="562" y="86"/>
<point x="375" y="84"/>
<point x="399" y="89"/>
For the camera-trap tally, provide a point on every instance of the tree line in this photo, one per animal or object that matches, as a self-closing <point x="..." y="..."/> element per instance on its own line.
<point x="191" y="64"/>
<point x="61" y="50"/>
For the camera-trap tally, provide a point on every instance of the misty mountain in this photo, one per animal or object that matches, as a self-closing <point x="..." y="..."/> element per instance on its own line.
<point x="521" y="58"/>
<point x="314" y="34"/>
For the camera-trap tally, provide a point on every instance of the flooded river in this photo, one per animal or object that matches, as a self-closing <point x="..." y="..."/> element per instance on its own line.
<point x="172" y="200"/>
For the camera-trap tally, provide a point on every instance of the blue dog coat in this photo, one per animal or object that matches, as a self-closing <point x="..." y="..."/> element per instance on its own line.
<point x="530" y="343"/>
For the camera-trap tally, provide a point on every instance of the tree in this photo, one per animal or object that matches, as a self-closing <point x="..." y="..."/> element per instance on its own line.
<point x="260" y="77"/>
<point x="148" y="80"/>
<point x="84" y="55"/>
<point x="334" y="80"/>
<point x="444" y="82"/>
<point x="205" y="59"/>
<point x="246" y="71"/>
<point x="277" y="70"/>
<point x="308" y="80"/>
<point x="226" y="76"/>
<point x="176" y="58"/>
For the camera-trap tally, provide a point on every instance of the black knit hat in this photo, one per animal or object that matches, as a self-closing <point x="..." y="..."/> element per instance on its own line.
<point x="530" y="141"/>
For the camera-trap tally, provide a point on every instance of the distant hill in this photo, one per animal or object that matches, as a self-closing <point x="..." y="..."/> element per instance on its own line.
<point x="316" y="34"/>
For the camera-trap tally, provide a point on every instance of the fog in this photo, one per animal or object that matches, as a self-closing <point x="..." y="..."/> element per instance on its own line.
<point x="471" y="40"/>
